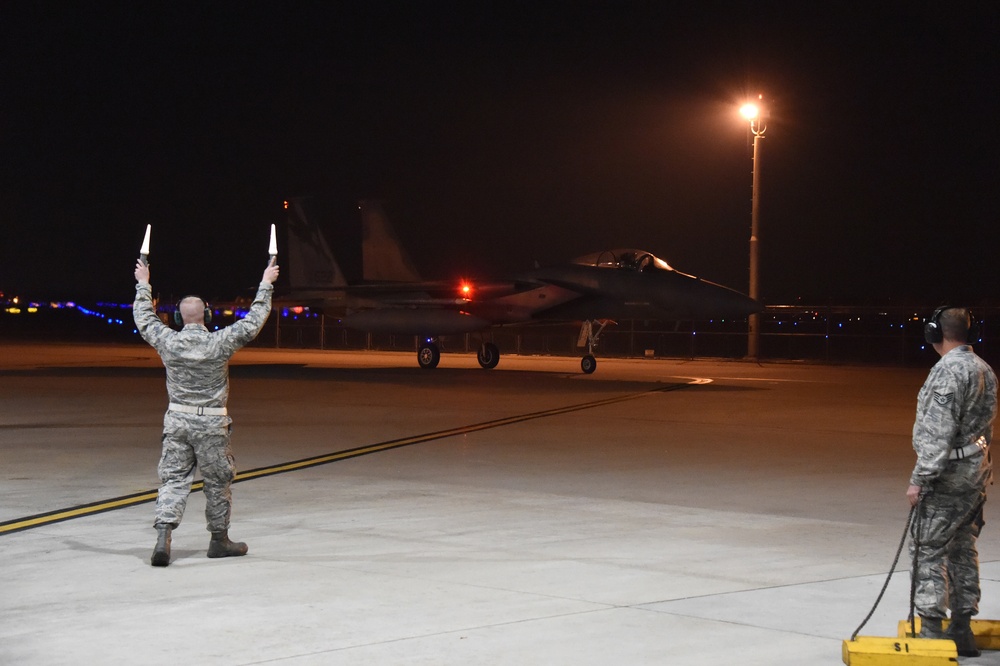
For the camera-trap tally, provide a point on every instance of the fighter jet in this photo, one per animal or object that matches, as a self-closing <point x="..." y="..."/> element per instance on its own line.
<point x="594" y="290"/>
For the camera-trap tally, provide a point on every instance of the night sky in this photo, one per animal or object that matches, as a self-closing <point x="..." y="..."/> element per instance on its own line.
<point x="501" y="133"/>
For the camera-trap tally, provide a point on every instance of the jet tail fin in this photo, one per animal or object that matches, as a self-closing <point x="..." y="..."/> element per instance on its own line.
<point x="383" y="256"/>
<point x="311" y="263"/>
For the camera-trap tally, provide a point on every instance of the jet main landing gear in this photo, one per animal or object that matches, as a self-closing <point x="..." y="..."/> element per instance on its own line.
<point x="488" y="355"/>
<point x="428" y="354"/>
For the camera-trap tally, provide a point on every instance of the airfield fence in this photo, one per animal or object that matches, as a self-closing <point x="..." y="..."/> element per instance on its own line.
<point x="826" y="334"/>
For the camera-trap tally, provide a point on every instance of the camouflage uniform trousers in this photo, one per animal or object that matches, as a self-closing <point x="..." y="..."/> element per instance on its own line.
<point x="946" y="525"/>
<point x="190" y="441"/>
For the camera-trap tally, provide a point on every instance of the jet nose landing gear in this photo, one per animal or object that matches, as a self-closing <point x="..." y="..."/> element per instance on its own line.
<point x="588" y="338"/>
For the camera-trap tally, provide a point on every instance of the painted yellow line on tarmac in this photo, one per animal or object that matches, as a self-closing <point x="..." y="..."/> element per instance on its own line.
<point x="48" y="518"/>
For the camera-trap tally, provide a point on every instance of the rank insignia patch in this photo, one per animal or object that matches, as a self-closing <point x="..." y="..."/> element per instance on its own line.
<point x="943" y="398"/>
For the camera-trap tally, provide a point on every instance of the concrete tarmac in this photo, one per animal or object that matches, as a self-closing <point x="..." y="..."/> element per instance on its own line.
<point x="655" y="512"/>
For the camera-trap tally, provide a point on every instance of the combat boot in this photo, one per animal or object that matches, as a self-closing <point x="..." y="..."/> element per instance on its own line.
<point x="161" y="553"/>
<point x="960" y="632"/>
<point x="930" y="627"/>
<point x="221" y="546"/>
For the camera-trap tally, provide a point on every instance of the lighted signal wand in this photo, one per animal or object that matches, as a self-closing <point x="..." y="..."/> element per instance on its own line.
<point x="144" y="250"/>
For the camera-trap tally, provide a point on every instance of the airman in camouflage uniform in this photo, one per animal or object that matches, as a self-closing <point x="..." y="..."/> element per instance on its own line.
<point x="956" y="408"/>
<point x="196" y="426"/>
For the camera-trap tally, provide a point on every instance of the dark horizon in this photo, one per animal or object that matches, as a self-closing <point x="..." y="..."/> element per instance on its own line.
<point x="505" y="133"/>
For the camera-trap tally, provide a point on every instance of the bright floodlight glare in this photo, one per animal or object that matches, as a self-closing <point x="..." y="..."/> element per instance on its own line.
<point x="749" y="111"/>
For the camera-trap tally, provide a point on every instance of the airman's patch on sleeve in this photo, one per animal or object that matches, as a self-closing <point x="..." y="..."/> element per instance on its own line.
<point x="943" y="398"/>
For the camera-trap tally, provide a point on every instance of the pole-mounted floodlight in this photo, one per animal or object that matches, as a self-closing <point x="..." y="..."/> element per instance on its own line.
<point x="752" y="112"/>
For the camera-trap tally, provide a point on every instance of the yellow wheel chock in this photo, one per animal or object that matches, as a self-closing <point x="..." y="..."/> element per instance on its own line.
<point x="905" y="651"/>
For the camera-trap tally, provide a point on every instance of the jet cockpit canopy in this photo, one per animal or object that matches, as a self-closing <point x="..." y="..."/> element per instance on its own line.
<point x="628" y="259"/>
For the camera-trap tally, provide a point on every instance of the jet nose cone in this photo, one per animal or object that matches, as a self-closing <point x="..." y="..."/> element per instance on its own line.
<point x="726" y="302"/>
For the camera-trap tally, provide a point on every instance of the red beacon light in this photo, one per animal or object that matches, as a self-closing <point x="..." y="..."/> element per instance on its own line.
<point x="465" y="290"/>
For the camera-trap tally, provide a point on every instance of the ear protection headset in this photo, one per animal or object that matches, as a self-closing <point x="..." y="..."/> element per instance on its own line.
<point x="177" y="312"/>
<point x="934" y="334"/>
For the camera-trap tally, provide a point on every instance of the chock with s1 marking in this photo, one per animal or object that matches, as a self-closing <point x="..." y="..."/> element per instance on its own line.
<point x="986" y="632"/>
<point x="905" y="651"/>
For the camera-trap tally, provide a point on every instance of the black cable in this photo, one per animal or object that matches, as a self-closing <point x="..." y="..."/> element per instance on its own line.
<point x="892" y="569"/>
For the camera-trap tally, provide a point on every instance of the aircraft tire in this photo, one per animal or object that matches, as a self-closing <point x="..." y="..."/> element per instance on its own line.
<point x="488" y="355"/>
<point x="428" y="356"/>
<point x="588" y="364"/>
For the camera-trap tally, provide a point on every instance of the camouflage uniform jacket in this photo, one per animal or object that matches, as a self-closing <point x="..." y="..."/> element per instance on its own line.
<point x="197" y="361"/>
<point x="956" y="405"/>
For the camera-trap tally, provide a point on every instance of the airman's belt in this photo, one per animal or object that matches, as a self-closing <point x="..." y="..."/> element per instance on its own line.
<point x="200" y="411"/>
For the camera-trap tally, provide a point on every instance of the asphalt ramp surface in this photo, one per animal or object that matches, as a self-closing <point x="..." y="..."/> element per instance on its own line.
<point x="656" y="512"/>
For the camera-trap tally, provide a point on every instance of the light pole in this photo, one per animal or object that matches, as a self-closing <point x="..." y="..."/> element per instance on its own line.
<point x="752" y="113"/>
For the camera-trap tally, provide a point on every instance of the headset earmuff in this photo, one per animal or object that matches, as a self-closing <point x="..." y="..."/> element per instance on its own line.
<point x="933" y="333"/>
<point x="932" y="329"/>
<point x="975" y="334"/>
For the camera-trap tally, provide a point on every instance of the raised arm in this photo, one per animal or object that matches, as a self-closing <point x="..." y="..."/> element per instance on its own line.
<point x="147" y="323"/>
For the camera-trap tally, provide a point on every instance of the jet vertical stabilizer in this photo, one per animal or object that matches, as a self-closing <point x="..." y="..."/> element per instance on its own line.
<point x="383" y="257"/>
<point x="312" y="264"/>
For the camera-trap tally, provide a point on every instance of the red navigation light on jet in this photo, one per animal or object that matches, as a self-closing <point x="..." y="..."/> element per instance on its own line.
<point x="465" y="290"/>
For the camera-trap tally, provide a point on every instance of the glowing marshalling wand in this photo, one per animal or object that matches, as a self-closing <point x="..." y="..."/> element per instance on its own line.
<point x="144" y="250"/>
<point x="272" y="248"/>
